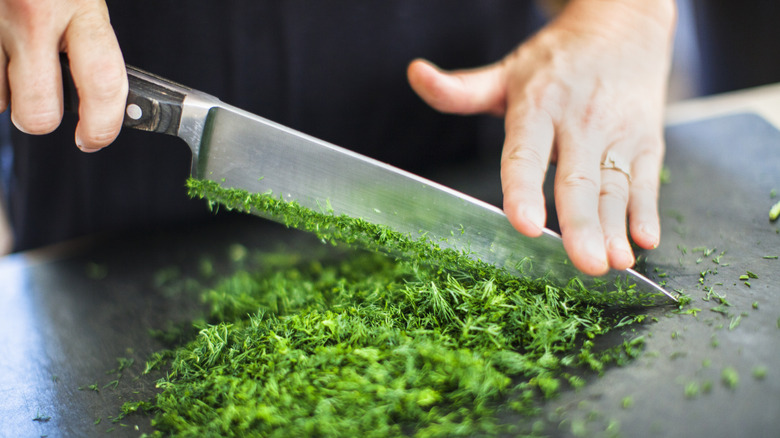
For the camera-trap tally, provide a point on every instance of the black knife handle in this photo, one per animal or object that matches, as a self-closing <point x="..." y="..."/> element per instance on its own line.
<point x="153" y="103"/>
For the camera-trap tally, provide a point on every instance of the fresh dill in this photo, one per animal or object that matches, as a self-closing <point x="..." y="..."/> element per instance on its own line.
<point x="369" y="343"/>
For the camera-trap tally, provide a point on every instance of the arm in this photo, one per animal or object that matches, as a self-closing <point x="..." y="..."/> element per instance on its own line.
<point x="589" y="84"/>
<point x="32" y="34"/>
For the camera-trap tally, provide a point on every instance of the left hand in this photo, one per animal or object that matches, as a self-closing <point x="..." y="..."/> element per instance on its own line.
<point x="587" y="88"/>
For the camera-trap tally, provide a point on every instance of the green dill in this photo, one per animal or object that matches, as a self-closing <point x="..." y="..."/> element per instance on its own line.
<point x="123" y="363"/>
<point x="93" y="387"/>
<point x="691" y="390"/>
<point x="370" y="343"/>
<point x="665" y="176"/>
<point x="735" y="322"/>
<point x="41" y="418"/>
<point x="759" y="372"/>
<point x="774" y="212"/>
<point x="755" y="305"/>
<point x="730" y="377"/>
<point x="613" y="428"/>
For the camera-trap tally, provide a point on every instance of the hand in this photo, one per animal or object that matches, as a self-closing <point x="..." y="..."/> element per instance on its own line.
<point x="591" y="83"/>
<point x="32" y="34"/>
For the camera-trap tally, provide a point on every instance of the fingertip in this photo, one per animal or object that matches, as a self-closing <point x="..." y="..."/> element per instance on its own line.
<point x="646" y="235"/>
<point x="38" y="123"/>
<point x="92" y="143"/>
<point x="429" y="82"/>
<point x="528" y="220"/>
<point x="619" y="253"/>
<point x="588" y="254"/>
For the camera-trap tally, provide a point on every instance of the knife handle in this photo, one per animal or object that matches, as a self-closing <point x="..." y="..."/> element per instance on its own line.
<point x="153" y="103"/>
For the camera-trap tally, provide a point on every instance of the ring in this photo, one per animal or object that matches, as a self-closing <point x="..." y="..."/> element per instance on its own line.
<point x="614" y="162"/>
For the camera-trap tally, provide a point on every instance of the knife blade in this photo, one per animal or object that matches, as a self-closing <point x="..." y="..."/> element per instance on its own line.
<point x="245" y="151"/>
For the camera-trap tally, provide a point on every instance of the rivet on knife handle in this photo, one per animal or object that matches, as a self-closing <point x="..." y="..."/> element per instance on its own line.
<point x="153" y="103"/>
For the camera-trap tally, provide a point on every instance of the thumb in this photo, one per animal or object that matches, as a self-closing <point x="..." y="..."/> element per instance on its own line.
<point x="480" y="90"/>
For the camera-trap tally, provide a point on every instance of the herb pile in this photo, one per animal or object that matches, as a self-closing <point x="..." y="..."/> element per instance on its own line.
<point x="365" y="343"/>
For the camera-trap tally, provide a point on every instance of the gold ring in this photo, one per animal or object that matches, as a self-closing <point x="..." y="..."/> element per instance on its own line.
<point x="614" y="162"/>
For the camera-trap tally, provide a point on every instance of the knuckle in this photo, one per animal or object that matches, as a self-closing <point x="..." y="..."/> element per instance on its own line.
<point x="645" y="189"/>
<point x="579" y="180"/>
<point x="524" y="157"/>
<point x="615" y="191"/>
<point x="105" y="83"/>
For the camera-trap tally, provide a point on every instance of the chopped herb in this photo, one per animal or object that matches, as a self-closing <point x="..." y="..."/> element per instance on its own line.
<point x="371" y="343"/>
<point x="774" y="212"/>
<point x="751" y="275"/>
<point x="627" y="402"/>
<point x="735" y="322"/>
<point x="759" y="372"/>
<point x="41" y="418"/>
<point x="93" y="387"/>
<point x="770" y="257"/>
<point x="691" y="390"/>
<point x="123" y="364"/>
<point x="730" y="377"/>
<point x="755" y="305"/>
<point x="665" y="176"/>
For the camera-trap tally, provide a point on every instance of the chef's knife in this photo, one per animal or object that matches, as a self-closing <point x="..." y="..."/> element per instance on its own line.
<point x="245" y="151"/>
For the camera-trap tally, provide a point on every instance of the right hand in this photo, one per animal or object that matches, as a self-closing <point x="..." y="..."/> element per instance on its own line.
<point x="32" y="34"/>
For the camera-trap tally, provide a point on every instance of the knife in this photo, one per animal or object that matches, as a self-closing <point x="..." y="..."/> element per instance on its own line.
<point x="242" y="150"/>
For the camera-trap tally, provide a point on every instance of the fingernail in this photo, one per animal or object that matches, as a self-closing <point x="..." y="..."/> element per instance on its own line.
<point x="535" y="216"/>
<point x="651" y="232"/>
<point x="617" y="245"/>
<point x="594" y="249"/>
<point x="80" y="145"/>
<point x="13" y="120"/>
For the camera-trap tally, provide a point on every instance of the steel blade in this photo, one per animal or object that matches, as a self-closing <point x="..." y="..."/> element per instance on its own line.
<point x="245" y="151"/>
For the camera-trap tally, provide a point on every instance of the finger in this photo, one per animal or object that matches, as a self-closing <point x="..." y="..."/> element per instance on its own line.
<point x="100" y="77"/>
<point x="524" y="162"/>
<point x="613" y="202"/>
<point x="481" y="90"/>
<point x="3" y="81"/>
<point x="644" y="221"/>
<point x="35" y="86"/>
<point x="577" y="188"/>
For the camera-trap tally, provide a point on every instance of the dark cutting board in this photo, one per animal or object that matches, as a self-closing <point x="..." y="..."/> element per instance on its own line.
<point x="67" y="313"/>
